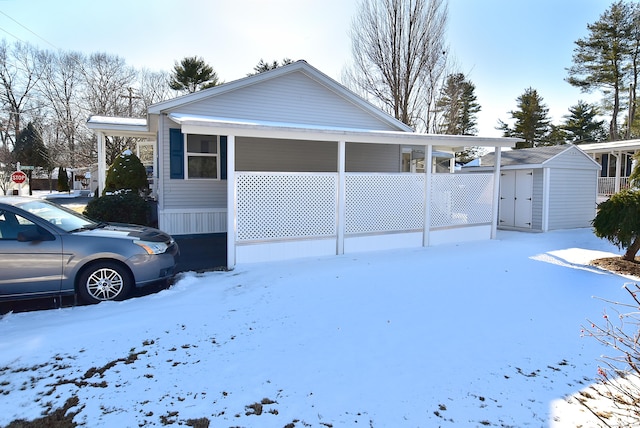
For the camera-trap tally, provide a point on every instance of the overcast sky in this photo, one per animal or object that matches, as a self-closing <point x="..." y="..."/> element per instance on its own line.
<point x="503" y="46"/>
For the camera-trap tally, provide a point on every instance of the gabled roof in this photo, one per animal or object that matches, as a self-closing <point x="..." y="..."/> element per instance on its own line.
<point x="536" y="156"/>
<point x="298" y="66"/>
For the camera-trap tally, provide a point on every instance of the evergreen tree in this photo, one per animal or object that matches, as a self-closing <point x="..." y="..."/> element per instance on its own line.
<point x="532" y="123"/>
<point x="127" y="173"/>
<point x="581" y="124"/>
<point x="30" y="150"/>
<point x="193" y="74"/>
<point x="266" y="66"/>
<point x="63" y="180"/>
<point x="617" y="220"/>
<point x="458" y="107"/>
<point x="603" y="59"/>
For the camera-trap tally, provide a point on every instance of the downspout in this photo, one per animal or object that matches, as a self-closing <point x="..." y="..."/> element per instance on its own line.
<point x="496" y="192"/>
<point x="232" y="225"/>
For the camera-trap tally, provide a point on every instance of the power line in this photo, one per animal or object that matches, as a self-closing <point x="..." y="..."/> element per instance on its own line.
<point x="28" y="29"/>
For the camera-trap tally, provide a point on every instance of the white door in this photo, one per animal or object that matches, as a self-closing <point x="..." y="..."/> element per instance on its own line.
<point x="516" y="195"/>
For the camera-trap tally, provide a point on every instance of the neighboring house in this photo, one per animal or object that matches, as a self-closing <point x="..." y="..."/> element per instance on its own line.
<point x="545" y="188"/>
<point x="289" y="163"/>
<point x="616" y="161"/>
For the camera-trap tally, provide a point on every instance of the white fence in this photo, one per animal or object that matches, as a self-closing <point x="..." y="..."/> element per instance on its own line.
<point x="293" y="206"/>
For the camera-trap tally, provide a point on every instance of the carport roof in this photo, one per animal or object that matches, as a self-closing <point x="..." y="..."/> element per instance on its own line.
<point x="197" y="124"/>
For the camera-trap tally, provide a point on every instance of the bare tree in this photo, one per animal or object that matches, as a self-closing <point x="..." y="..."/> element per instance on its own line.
<point x="62" y="85"/>
<point x="20" y="70"/>
<point x="107" y="78"/>
<point x="399" y="57"/>
<point x="153" y="88"/>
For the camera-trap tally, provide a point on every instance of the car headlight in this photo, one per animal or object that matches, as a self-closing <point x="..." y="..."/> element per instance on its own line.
<point x="152" y="247"/>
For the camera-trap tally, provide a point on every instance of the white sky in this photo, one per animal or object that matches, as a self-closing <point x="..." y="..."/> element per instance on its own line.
<point x="503" y="46"/>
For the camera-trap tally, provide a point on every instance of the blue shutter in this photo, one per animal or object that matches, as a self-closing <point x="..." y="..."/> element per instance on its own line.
<point x="223" y="157"/>
<point x="176" y="154"/>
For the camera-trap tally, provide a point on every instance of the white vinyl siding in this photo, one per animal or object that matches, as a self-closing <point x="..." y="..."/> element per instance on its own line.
<point x="294" y="98"/>
<point x="180" y="193"/>
<point x="537" y="199"/>
<point x="572" y="198"/>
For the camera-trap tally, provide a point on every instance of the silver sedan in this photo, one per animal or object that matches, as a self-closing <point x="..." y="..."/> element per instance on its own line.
<point x="49" y="250"/>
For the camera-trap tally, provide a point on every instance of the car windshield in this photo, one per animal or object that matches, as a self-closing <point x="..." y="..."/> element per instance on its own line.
<point x="64" y="218"/>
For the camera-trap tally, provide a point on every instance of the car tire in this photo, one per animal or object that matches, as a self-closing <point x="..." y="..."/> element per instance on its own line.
<point x="104" y="281"/>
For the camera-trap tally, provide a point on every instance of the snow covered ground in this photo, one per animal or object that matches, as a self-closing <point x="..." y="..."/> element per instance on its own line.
<point x="480" y="334"/>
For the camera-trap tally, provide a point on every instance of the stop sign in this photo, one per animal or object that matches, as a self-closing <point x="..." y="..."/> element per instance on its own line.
<point x="18" y="177"/>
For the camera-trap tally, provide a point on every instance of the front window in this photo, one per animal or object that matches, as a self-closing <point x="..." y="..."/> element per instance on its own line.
<point x="202" y="156"/>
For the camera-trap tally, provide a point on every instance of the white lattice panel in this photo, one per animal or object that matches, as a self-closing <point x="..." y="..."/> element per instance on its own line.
<point x="458" y="199"/>
<point x="281" y="205"/>
<point x="384" y="202"/>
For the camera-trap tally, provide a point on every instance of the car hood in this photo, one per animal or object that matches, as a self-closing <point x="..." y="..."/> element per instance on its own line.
<point x="128" y="231"/>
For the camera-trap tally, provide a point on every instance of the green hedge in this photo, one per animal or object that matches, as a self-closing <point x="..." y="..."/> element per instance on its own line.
<point x="120" y="208"/>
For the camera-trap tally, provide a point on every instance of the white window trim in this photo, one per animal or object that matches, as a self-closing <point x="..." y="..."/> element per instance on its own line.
<point x="215" y="155"/>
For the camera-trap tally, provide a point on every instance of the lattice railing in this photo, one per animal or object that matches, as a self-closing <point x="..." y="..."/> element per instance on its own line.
<point x="461" y="199"/>
<point x="285" y="205"/>
<point x="271" y="206"/>
<point x="384" y="202"/>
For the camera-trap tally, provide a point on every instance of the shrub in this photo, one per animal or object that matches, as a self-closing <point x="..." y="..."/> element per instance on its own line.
<point x="63" y="180"/>
<point x="126" y="173"/>
<point x="618" y="220"/>
<point x="123" y="207"/>
<point x="615" y="399"/>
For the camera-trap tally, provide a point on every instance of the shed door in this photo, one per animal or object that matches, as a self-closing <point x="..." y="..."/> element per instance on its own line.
<point x="516" y="194"/>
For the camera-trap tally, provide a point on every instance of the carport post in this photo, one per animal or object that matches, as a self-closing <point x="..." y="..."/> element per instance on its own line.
<point x="102" y="162"/>
<point x="231" y="202"/>
<point x="496" y="192"/>
<point x="428" y="165"/>
<point x="340" y="218"/>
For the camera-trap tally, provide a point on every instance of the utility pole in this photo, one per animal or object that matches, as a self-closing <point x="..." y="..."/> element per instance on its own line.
<point x="131" y="97"/>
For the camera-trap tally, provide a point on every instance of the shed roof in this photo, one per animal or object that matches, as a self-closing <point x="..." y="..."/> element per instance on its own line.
<point x="536" y="156"/>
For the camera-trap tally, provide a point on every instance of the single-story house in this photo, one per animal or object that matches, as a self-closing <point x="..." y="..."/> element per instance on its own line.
<point x="545" y="188"/>
<point x="290" y="163"/>
<point x="616" y="163"/>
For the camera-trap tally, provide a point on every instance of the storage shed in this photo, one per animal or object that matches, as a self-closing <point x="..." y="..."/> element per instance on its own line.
<point x="545" y="188"/>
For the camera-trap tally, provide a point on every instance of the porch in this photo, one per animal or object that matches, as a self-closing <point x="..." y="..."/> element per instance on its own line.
<point x="616" y="161"/>
<point x="607" y="186"/>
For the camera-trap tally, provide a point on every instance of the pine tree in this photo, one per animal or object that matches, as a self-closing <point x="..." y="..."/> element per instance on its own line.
<point x="581" y="124"/>
<point x="193" y="74"/>
<point x="532" y="123"/>
<point x="30" y="150"/>
<point x="457" y="106"/>
<point x="266" y="66"/>
<point x="603" y="60"/>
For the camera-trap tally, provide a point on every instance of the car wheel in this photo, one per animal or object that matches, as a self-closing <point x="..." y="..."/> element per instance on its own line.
<point x="104" y="281"/>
